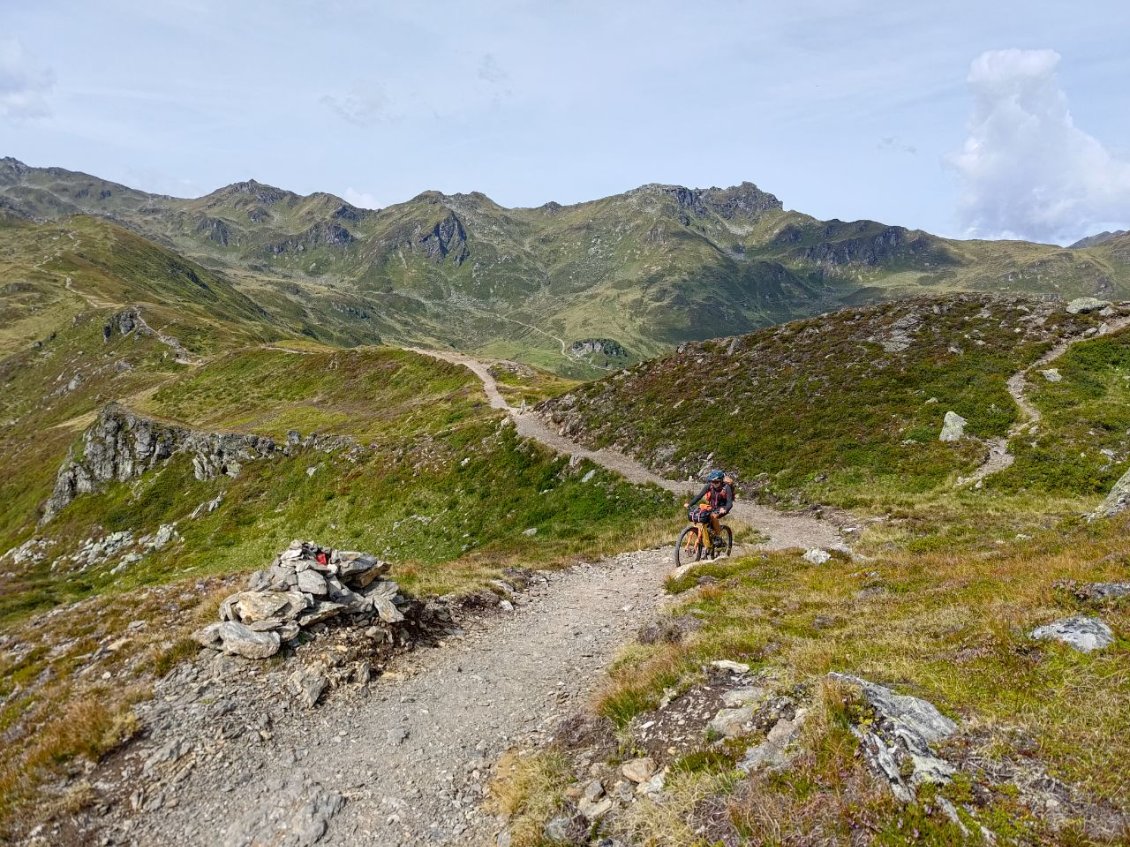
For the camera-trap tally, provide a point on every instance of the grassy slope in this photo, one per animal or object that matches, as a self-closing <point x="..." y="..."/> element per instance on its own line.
<point x="940" y="608"/>
<point x="818" y="405"/>
<point x="443" y="488"/>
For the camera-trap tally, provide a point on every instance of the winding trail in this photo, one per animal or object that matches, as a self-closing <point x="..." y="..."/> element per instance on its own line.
<point x="783" y="530"/>
<point x="999" y="456"/>
<point x="228" y="758"/>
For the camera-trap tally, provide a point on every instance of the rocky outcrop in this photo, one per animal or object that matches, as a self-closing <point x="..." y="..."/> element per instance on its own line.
<point x="120" y="446"/>
<point x="130" y="320"/>
<point x="319" y="235"/>
<point x="601" y="346"/>
<point x="897" y="744"/>
<point x="214" y="230"/>
<point x="446" y="238"/>
<point x="1116" y="501"/>
<point x="1082" y="305"/>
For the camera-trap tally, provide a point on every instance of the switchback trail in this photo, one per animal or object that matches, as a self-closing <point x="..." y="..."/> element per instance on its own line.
<point x="999" y="456"/>
<point x="783" y="530"/>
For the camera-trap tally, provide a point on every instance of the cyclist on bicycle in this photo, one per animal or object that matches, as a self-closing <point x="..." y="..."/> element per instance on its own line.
<point x="717" y="498"/>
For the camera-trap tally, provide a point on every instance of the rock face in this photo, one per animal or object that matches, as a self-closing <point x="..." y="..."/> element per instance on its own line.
<point x="603" y="346"/>
<point x="1085" y="634"/>
<point x="953" y="427"/>
<point x="897" y="744"/>
<point x="121" y="446"/>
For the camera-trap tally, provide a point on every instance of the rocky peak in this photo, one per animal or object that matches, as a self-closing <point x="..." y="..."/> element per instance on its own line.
<point x="12" y="170"/>
<point x="745" y="200"/>
<point x="266" y="194"/>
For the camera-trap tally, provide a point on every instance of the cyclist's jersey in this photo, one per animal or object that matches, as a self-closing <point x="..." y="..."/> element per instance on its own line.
<point x="723" y="498"/>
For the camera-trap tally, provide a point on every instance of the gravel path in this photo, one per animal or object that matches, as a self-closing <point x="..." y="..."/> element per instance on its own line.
<point x="409" y="754"/>
<point x="999" y="456"/>
<point x="782" y="529"/>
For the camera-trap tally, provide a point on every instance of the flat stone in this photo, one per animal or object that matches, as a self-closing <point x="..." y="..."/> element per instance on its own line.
<point x="239" y="640"/>
<point x="593" y="791"/>
<point x="322" y="610"/>
<point x="594" y="811"/>
<point x="732" y="723"/>
<point x="312" y="582"/>
<point x="387" y="610"/>
<point x="1083" y="633"/>
<point x="638" y="770"/>
<point x="741" y="696"/>
<point x="816" y="556"/>
<point x="728" y="665"/>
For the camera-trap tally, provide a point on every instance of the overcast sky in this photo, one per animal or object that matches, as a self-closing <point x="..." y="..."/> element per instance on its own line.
<point x="963" y="118"/>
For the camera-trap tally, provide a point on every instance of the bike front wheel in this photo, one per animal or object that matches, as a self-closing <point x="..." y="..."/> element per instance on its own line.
<point x="689" y="546"/>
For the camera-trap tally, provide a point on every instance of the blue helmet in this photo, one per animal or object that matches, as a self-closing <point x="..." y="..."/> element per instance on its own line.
<point x="715" y="476"/>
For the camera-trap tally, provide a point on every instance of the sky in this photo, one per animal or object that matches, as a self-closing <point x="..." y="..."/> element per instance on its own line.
<point x="967" y="119"/>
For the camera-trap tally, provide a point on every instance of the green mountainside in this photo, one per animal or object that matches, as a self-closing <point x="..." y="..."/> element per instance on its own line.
<point x="221" y="373"/>
<point x="640" y="272"/>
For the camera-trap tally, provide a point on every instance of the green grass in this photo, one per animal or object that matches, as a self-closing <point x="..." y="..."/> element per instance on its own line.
<point x="1083" y="416"/>
<point x="818" y="406"/>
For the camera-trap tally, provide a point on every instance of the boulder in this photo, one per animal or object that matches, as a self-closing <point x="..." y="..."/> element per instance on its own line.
<point x="1083" y="633"/>
<point x="1052" y="375"/>
<point x="1081" y="305"/>
<point x="816" y="556"/>
<point x="307" y="686"/>
<point x="953" y="427"/>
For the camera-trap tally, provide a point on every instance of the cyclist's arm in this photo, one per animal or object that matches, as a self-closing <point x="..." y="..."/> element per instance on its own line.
<point x="728" y="501"/>
<point x="699" y="496"/>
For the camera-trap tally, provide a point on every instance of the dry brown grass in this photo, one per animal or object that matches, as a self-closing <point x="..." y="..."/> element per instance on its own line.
<point x="527" y="788"/>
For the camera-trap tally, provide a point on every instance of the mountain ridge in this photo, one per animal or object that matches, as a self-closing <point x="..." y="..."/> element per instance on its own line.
<point x="646" y="269"/>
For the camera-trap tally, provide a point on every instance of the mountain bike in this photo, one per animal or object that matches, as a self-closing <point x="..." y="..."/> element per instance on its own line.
<point x="691" y="547"/>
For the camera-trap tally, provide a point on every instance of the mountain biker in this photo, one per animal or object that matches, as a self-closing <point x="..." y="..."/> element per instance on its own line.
<point x="717" y="498"/>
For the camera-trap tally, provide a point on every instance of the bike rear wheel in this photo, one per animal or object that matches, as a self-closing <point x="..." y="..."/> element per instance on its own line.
<point x="689" y="546"/>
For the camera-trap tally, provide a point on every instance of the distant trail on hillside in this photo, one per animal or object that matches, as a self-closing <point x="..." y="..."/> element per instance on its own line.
<point x="784" y="530"/>
<point x="999" y="456"/>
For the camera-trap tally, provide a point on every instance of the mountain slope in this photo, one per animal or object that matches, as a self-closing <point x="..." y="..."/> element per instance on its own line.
<point x="638" y="272"/>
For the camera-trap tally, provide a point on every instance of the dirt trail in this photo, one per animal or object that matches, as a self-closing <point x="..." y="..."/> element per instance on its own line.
<point x="783" y="530"/>
<point x="999" y="456"/>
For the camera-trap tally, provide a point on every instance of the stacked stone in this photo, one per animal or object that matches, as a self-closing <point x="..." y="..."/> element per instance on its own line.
<point x="297" y="592"/>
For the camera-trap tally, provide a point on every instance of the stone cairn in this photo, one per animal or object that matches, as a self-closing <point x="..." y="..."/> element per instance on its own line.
<point x="298" y="591"/>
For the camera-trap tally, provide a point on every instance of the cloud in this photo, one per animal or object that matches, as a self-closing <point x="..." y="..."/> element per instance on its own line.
<point x="490" y="71"/>
<point x="1027" y="170"/>
<point x="24" y="85"/>
<point x="891" y="142"/>
<point x="361" y="199"/>
<point x="360" y="106"/>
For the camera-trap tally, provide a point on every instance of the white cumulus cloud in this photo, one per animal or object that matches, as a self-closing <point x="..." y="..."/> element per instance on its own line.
<point x="24" y="84"/>
<point x="1027" y="170"/>
<point x="361" y="199"/>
